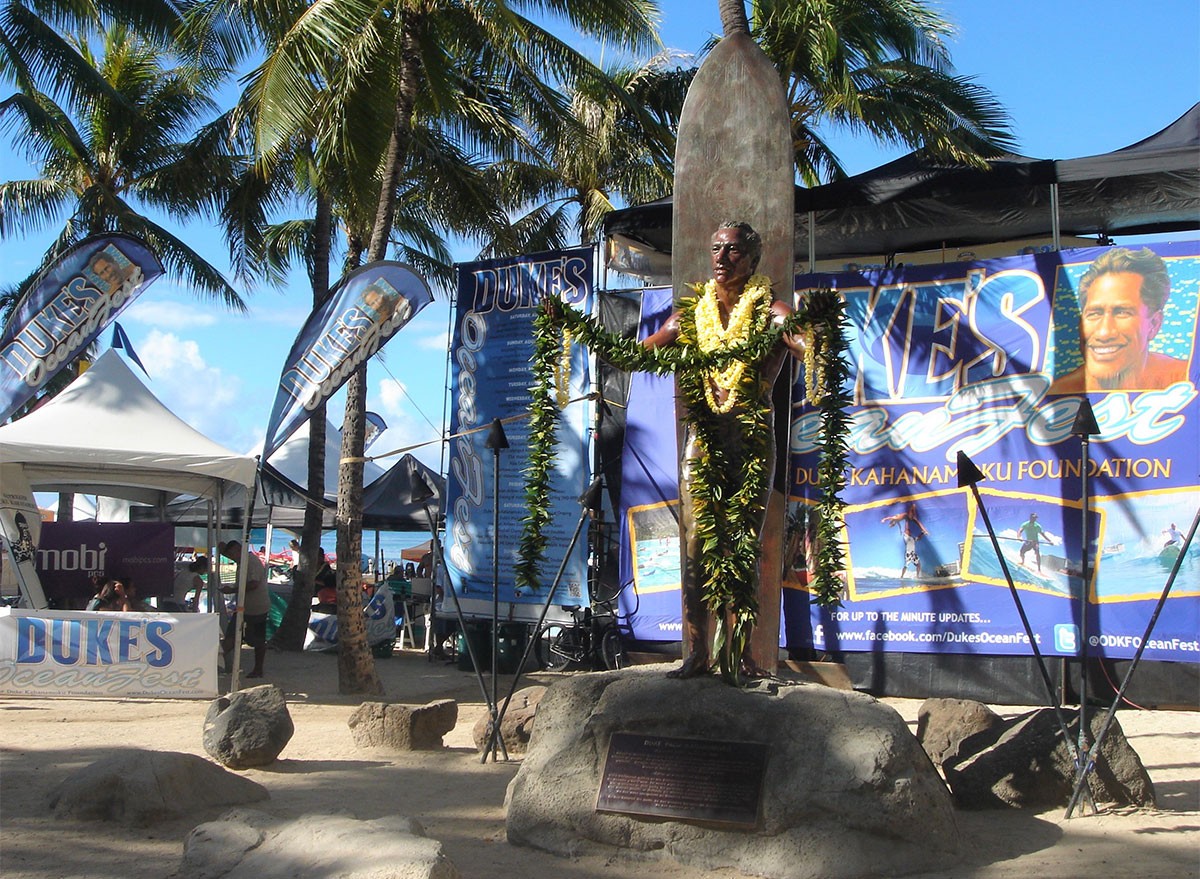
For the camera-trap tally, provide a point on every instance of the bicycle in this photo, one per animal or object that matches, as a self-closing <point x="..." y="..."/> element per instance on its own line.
<point x="592" y="638"/>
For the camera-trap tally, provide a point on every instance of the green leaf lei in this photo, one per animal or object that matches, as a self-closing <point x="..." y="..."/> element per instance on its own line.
<point x="726" y="493"/>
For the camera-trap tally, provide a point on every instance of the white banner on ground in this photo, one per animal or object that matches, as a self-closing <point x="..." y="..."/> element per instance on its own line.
<point x="107" y="655"/>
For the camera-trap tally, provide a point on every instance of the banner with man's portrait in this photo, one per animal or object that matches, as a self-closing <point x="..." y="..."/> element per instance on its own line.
<point x="68" y="306"/>
<point x="367" y="308"/>
<point x="992" y="358"/>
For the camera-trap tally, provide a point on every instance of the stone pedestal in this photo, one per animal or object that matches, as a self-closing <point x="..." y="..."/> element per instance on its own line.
<point x="848" y="791"/>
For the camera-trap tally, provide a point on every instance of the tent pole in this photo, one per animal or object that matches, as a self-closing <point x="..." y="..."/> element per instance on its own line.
<point x="240" y="618"/>
<point x="812" y="241"/>
<point x="1054" y="228"/>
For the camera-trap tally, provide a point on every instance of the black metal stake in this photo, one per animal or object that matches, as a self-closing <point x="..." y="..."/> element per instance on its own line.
<point x="589" y="501"/>
<point x="970" y="475"/>
<point x="422" y="493"/>
<point x="496" y="441"/>
<point x="1084" y="427"/>
<point x="1082" y="773"/>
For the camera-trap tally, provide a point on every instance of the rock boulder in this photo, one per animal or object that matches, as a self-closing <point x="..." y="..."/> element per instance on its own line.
<point x="403" y="727"/>
<point x="517" y="724"/>
<point x="248" y="728"/>
<point x="142" y="787"/>
<point x="1026" y="764"/>
<point x="943" y="725"/>
<point x="847" y="787"/>
<point x="244" y="844"/>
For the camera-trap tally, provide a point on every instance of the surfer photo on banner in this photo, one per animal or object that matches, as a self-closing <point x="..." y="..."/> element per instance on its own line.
<point x="910" y="532"/>
<point x="1031" y="533"/>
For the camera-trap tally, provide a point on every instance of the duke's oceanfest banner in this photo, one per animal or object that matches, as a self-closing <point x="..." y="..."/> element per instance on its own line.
<point x="99" y="654"/>
<point x="991" y="358"/>
<point x="493" y="344"/>
<point x="68" y="307"/>
<point x="366" y="309"/>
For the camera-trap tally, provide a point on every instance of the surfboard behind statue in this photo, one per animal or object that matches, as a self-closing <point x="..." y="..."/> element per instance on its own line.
<point x="733" y="161"/>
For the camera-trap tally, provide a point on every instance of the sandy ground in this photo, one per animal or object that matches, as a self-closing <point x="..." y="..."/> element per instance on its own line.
<point x="460" y="801"/>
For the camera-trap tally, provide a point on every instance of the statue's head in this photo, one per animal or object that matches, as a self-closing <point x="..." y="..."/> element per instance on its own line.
<point x="736" y="250"/>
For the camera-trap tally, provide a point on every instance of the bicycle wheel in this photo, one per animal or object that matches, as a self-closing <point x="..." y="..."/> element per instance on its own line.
<point x="611" y="648"/>
<point x="554" y="647"/>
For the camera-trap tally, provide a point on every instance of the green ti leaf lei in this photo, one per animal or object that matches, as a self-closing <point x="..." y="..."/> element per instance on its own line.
<point x="726" y="493"/>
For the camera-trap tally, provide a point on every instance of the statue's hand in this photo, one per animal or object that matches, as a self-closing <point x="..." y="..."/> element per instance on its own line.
<point x="552" y="307"/>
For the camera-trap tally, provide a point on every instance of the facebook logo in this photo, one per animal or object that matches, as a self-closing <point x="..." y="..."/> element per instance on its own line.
<point x="1066" y="638"/>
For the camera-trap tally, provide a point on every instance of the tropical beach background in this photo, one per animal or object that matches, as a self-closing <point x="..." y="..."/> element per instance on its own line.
<point x="1076" y="80"/>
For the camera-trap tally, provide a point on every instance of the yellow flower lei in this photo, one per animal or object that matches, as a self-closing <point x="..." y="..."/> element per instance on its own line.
<point x="747" y="315"/>
<point x="562" y="372"/>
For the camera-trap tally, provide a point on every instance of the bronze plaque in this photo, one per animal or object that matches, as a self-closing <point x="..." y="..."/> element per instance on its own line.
<point x="689" y="779"/>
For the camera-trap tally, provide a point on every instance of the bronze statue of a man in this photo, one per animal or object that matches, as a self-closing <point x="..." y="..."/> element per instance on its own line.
<point x="728" y="466"/>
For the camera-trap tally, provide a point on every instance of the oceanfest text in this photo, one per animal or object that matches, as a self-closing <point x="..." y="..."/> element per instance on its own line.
<point x="352" y="340"/>
<point x="977" y="417"/>
<point x="504" y="290"/>
<point x="53" y="335"/>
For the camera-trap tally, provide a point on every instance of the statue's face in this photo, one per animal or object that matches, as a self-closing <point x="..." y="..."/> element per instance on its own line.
<point x="731" y="262"/>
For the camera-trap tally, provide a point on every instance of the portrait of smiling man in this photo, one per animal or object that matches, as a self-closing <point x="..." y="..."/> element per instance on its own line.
<point x="1121" y="300"/>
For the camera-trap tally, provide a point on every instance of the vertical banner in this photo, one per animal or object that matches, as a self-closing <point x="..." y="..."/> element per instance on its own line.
<point x="992" y="358"/>
<point x="68" y="306"/>
<point x="20" y="526"/>
<point x="367" y="308"/>
<point x="491" y="378"/>
<point x="649" y="512"/>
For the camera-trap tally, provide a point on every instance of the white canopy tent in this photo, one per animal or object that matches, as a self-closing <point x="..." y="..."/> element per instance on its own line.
<point x="106" y="434"/>
<point x="281" y="499"/>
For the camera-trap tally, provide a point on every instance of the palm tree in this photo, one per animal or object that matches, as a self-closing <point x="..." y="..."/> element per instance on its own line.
<point x="104" y="162"/>
<point x="879" y="67"/>
<point x="419" y="49"/>
<point x="621" y="145"/>
<point x="123" y="141"/>
<point x="34" y="53"/>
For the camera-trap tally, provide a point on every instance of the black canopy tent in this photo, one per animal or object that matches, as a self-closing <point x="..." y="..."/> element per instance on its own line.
<point x="388" y="503"/>
<point x="914" y="204"/>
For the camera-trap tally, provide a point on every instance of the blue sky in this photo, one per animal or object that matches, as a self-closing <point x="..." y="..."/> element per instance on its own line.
<point x="1077" y="79"/>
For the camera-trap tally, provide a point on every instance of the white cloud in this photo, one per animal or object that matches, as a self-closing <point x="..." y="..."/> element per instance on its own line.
<point x="406" y="427"/>
<point x="434" y="342"/>
<point x="170" y="315"/>
<point x="204" y="396"/>
<point x="394" y="394"/>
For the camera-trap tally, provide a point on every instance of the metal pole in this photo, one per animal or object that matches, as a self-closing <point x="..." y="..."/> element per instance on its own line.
<point x="495" y="582"/>
<point x="1083" y="603"/>
<point x="589" y="500"/>
<point x="1084" y="427"/>
<point x="1055" y="230"/>
<point x="1081" y="777"/>
<point x="969" y="474"/>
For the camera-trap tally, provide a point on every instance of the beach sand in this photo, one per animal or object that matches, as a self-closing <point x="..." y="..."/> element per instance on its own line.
<point x="460" y="801"/>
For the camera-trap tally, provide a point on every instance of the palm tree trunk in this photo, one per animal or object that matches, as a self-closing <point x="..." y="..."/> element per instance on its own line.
<point x="733" y="17"/>
<point x="410" y="69"/>
<point x="291" y="632"/>
<point x="356" y="665"/>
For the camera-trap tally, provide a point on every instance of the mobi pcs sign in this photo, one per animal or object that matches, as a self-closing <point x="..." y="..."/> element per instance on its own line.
<point x="367" y="308"/>
<point x="492" y="348"/>
<point x="66" y="309"/>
